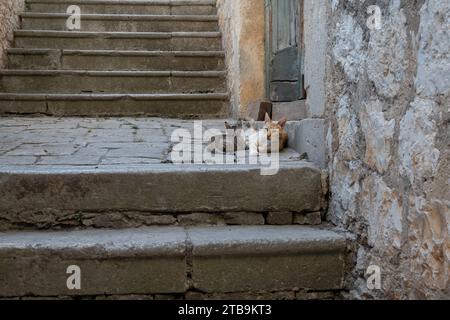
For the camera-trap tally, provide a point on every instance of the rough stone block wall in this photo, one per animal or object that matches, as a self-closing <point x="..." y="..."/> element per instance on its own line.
<point x="9" y="21"/>
<point x="199" y="296"/>
<point x="388" y="105"/>
<point x="66" y="220"/>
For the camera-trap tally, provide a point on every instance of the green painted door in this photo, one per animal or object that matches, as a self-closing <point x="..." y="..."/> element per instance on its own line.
<point x="283" y="50"/>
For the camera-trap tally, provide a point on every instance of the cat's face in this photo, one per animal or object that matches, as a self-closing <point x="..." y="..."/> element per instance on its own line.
<point x="273" y="127"/>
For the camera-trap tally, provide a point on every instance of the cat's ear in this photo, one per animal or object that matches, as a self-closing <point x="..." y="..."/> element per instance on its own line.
<point x="227" y="126"/>
<point x="268" y="120"/>
<point x="283" y="122"/>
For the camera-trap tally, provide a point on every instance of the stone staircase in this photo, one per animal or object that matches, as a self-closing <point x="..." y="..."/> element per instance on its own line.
<point x="102" y="194"/>
<point x="146" y="58"/>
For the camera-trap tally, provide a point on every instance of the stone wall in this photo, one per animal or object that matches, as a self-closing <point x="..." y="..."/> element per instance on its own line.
<point x="243" y="25"/>
<point x="388" y="109"/>
<point x="199" y="296"/>
<point x="68" y="220"/>
<point x="8" y="22"/>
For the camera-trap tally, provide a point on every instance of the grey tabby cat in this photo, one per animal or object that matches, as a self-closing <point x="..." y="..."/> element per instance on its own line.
<point x="233" y="140"/>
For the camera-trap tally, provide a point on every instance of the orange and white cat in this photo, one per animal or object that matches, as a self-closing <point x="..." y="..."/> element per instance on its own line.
<point x="273" y="129"/>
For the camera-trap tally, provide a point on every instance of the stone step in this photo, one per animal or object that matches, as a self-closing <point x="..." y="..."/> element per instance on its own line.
<point x="63" y="185"/>
<point x="48" y="59"/>
<point x="80" y="81"/>
<point x="150" y="41"/>
<point x="161" y="7"/>
<point x="78" y="172"/>
<point x="150" y="105"/>
<point x="122" y="23"/>
<point x="168" y="260"/>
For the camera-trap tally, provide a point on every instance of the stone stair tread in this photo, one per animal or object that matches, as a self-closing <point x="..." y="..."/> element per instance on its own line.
<point x="123" y="22"/>
<point x="176" y="41"/>
<point x="255" y="240"/>
<point x="127" y="7"/>
<point x="24" y="51"/>
<point x="126" y="17"/>
<point x="154" y="187"/>
<point x="148" y="168"/>
<point x="121" y="2"/>
<point x="172" y="260"/>
<point x="171" y="240"/>
<point x="101" y="81"/>
<point x="175" y="105"/>
<point x="115" y="60"/>
<point x="116" y="34"/>
<point x="108" y="73"/>
<point x="113" y="96"/>
<point x="159" y="241"/>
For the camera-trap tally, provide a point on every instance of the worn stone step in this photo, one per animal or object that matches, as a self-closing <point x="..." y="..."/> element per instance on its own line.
<point x="172" y="261"/>
<point x="74" y="184"/>
<point x="166" y="7"/>
<point x="48" y="59"/>
<point x="151" y="41"/>
<point x="140" y="148"/>
<point x="122" y="23"/>
<point x="151" y="105"/>
<point x="80" y="81"/>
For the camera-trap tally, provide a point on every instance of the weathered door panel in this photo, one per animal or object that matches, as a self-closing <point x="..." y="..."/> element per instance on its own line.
<point x="284" y="91"/>
<point x="283" y="50"/>
<point x="284" y="24"/>
<point x="285" y="65"/>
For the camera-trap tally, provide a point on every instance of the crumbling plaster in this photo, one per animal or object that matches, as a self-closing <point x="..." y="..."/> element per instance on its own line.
<point x="243" y="27"/>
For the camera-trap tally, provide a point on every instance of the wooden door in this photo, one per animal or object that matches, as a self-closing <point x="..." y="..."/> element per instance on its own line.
<point x="283" y="50"/>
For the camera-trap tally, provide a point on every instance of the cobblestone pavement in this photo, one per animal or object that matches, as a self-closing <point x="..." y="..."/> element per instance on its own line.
<point x="92" y="142"/>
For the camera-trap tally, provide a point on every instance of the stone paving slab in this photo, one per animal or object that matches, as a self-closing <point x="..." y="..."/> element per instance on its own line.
<point x="98" y="142"/>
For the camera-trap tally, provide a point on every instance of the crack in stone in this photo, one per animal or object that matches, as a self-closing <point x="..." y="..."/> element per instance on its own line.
<point x="189" y="257"/>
